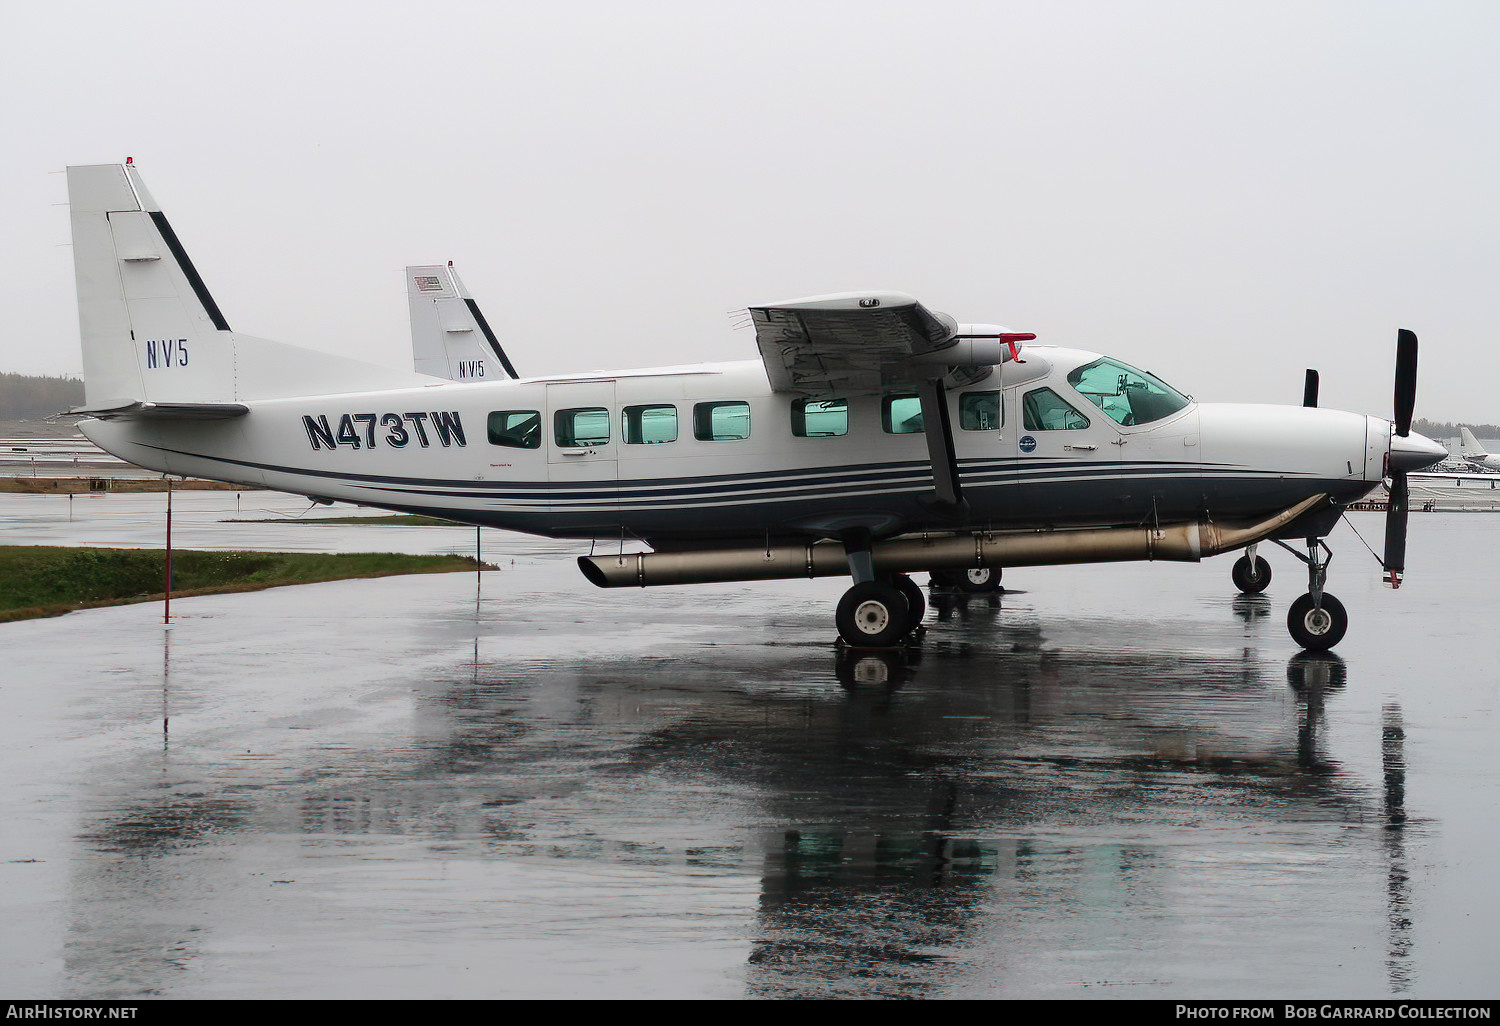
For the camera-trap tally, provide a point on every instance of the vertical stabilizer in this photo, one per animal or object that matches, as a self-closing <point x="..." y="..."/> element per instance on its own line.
<point x="1469" y="445"/>
<point x="149" y="327"/>
<point x="151" y="331"/>
<point x="450" y="337"/>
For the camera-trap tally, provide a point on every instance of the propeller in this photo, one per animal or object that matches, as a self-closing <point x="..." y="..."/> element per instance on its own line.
<point x="1310" y="388"/>
<point x="1396" y="512"/>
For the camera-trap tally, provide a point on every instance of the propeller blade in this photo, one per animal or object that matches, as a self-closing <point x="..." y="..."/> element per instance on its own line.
<point x="1310" y="388"/>
<point x="1395" y="530"/>
<point x="1406" y="380"/>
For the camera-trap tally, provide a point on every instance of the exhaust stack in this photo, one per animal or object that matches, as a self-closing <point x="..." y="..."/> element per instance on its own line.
<point x="1181" y="542"/>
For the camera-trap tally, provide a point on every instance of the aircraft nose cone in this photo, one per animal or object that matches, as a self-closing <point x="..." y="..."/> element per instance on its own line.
<point x="1415" y="452"/>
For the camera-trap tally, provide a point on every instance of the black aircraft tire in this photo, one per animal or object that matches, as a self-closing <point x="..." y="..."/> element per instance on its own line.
<point x="1240" y="574"/>
<point x="916" y="602"/>
<point x="873" y="615"/>
<point x="979" y="580"/>
<point x="1314" y="630"/>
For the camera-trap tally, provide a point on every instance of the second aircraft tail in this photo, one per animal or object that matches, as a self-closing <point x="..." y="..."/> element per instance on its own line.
<point x="450" y="337"/>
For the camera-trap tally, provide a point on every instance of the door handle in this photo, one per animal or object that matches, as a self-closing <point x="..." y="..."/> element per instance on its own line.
<point x="1082" y="448"/>
<point x="577" y="452"/>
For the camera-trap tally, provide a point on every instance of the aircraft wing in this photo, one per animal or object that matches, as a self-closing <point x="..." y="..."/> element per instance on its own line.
<point x="849" y="343"/>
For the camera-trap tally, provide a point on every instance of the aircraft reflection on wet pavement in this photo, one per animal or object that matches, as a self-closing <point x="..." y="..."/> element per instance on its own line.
<point x="949" y="815"/>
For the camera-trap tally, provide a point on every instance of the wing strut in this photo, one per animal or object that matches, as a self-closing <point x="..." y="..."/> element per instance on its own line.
<point x="948" y="494"/>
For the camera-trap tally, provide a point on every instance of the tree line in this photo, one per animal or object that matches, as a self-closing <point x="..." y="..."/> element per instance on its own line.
<point x="1443" y="429"/>
<point x="33" y="397"/>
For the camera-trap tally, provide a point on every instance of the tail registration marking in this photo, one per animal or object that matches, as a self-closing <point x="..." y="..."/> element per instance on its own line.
<point x="168" y="352"/>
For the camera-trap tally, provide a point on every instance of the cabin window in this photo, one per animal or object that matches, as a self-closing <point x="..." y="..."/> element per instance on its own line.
<point x="901" y="414"/>
<point x="1126" y="395"/>
<point x="721" y="422"/>
<point x="980" y="411"/>
<point x="517" y="429"/>
<point x="820" y="418"/>
<point x="581" y="428"/>
<point x="648" y="425"/>
<point x="1045" y="410"/>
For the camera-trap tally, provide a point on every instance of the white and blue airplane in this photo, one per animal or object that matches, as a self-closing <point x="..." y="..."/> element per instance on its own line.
<point x="873" y="438"/>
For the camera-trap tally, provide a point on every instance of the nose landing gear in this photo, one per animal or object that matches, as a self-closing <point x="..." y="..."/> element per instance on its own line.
<point x="1317" y="627"/>
<point x="1317" y="621"/>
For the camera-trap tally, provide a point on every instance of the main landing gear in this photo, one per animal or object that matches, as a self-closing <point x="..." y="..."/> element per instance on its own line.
<point x="878" y="614"/>
<point x="975" y="581"/>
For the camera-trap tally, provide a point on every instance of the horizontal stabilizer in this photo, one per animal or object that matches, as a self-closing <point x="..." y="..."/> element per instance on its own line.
<point x="129" y="409"/>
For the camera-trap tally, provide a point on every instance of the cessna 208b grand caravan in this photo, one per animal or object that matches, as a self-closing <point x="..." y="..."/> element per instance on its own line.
<point x="874" y="438"/>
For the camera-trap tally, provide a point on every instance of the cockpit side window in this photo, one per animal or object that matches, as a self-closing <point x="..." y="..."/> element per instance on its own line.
<point x="1045" y="410"/>
<point x="1126" y="395"/>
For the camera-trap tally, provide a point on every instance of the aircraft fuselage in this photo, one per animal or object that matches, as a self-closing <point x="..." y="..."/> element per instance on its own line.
<point x="712" y="452"/>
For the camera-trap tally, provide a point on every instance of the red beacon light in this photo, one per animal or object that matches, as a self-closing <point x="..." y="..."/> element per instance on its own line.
<point x="1010" y="338"/>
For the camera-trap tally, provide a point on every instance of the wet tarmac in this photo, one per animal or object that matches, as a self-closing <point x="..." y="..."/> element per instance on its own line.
<point x="1117" y="782"/>
<point x="214" y="520"/>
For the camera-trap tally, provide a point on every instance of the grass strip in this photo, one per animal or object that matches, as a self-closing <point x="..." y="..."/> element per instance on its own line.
<point x="37" y="581"/>
<point x="85" y="485"/>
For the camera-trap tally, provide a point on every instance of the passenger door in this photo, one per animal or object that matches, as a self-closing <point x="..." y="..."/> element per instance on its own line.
<point x="581" y="433"/>
<point x="1067" y="456"/>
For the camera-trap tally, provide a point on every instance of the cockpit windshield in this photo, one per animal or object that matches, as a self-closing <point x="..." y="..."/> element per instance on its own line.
<point x="1126" y="395"/>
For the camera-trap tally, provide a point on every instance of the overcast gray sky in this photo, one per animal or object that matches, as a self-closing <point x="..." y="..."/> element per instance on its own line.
<point x="1222" y="193"/>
